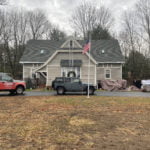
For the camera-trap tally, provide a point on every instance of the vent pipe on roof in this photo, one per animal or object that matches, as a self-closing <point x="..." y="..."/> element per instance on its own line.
<point x="42" y="51"/>
<point x="103" y="51"/>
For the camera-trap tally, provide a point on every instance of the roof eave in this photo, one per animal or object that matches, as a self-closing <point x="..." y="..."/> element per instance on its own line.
<point x="117" y="62"/>
<point x="29" y="62"/>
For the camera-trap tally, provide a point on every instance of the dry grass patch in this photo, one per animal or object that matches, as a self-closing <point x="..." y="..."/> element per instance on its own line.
<point x="74" y="122"/>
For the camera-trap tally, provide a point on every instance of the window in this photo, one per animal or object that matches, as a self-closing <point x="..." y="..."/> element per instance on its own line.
<point x="108" y="74"/>
<point x="63" y="74"/>
<point x="75" y="80"/>
<point x="59" y="79"/>
<point x="6" y="77"/>
<point x="66" y="70"/>
<point x="78" y="72"/>
<point x="67" y="79"/>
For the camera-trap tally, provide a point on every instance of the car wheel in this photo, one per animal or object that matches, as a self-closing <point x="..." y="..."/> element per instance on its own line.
<point x="60" y="90"/>
<point x="91" y="91"/>
<point x="19" y="90"/>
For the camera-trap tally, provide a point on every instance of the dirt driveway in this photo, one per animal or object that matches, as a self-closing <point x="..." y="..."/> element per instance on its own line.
<point x="74" y="123"/>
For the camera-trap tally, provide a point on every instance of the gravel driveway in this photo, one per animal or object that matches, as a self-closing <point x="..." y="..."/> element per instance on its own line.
<point x="97" y="93"/>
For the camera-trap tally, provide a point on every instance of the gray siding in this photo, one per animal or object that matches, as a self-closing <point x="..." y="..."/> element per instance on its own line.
<point x="116" y="71"/>
<point x="28" y="69"/>
<point x="64" y="55"/>
<point x="54" y="69"/>
<point x="84" y="74"/>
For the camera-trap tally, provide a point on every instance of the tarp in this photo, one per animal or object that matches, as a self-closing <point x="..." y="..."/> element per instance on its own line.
<point x="113" y="85"/>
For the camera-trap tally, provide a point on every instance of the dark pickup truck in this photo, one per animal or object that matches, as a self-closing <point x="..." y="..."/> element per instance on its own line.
<point x="66" y="84"/>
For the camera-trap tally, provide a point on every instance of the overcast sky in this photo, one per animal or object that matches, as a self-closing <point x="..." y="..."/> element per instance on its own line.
<point x="59" y="11"/>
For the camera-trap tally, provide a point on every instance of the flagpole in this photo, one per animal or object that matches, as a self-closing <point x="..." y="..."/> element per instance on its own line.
<point x="88" y="96"/>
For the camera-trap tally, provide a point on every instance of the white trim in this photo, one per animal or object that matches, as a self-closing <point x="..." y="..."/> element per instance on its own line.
<point x="110" y="67"/>
<point x="47" y="76"/>
<point x="53" y="65"/>
<point x="62" y="51"/>
<point x="88" y="65"/>
<point x="77" y="43"/>
<point x="29" y="62"/>
<point x="117" y="62"/>
<point x="31" y="72"/>
<point x="43" y="75"/>
<point x="95" y="75"/>
<point x="73" y="40"/>
<point x="80" y="72"/>
<point x="54" y="54"/>
<point x="91" y="58"/>
<point x="121" y="72"/>
<point x="105" y="73"/>
<point x="62" y="46"/>
<point x="23" y="71"/>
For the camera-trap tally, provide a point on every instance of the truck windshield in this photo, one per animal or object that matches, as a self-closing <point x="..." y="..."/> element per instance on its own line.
<point x="75" y="80"/>
<point x="5" y="77"/>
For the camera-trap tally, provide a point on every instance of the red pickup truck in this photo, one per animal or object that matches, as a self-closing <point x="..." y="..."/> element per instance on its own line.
<point x="7" y="83"/>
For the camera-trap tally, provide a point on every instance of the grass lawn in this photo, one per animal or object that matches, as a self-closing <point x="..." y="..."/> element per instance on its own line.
<point x="74" y="123"/>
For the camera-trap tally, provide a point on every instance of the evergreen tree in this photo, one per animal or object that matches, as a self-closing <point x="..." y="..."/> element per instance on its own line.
<point x="137" y="65"/>
<point x="98" y="33"/>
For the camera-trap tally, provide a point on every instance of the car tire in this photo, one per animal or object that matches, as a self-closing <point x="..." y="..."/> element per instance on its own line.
<point x="60" y="91"/>
<point x="91" y="91"/>
<point x="19" y="90"/>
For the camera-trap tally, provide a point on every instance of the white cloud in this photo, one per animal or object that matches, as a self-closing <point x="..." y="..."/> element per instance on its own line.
<point x="59" y="11"/>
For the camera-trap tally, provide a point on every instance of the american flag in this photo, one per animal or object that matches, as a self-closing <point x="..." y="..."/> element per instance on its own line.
<point x="86" y="47"/>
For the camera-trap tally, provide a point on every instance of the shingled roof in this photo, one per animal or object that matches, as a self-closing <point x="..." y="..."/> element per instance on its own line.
<point x="101" y="50"/>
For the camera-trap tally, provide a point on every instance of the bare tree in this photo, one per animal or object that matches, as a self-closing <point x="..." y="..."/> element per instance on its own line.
<point x="133" y="45"/>
<point x="104" y="18"/>
<point x="129" y="28"/>
<point x="57" y="34"/>
<point x="37" y="23"/>
<point x="6" y="38"/>
<point x="13" y="37"/>
<point x="3" y="2"/>
<point x="1" y="22"/>
<point x="131" y="35"/>
<point x="143" y="13"/>
<point x="84" y="18"/>
<point x="87" y="16"/>
<point x="18" y="26"/>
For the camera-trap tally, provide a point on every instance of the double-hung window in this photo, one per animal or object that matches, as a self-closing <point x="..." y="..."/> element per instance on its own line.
<point x="108" y="74"/>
